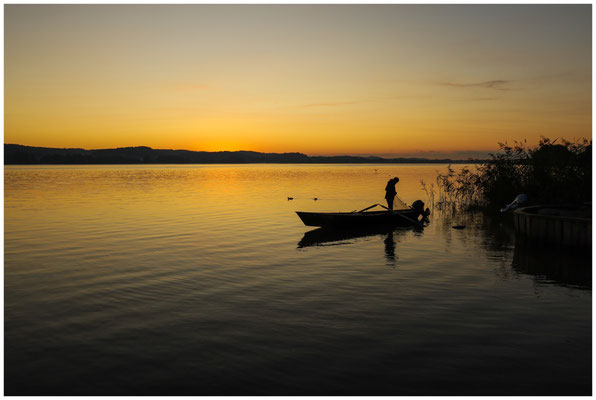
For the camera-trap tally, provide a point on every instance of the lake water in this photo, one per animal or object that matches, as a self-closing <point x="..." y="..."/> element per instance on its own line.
<point x="200" y="280"/>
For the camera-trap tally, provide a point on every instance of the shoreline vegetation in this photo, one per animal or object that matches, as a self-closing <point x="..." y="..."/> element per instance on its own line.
<point x="15" y="154"/>
<point x="554" y="172"/>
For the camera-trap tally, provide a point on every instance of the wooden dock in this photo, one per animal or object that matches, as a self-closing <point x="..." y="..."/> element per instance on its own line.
<point x="558" y="225"/>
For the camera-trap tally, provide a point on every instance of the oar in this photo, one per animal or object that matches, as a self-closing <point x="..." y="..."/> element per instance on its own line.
<point x="403" y="216"/>
<point x="367" y="208"/>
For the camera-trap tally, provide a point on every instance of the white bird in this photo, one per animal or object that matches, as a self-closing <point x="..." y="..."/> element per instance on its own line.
<point x="519" y="200"/>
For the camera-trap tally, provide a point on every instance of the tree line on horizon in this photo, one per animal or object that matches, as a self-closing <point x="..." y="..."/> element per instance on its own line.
<point x="19" y="154"/>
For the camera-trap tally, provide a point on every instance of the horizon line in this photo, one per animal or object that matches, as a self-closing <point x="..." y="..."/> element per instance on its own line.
<point x="421" y="154"/>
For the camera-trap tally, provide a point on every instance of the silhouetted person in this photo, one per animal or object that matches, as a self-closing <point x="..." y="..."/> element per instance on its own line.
<point x="390" y="192"/>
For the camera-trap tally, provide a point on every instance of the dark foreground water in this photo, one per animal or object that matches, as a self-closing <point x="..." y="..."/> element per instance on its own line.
<point x="201" y="280"/>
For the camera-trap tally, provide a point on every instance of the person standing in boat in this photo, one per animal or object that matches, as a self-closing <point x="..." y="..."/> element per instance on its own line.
<point x="390" y="192"/>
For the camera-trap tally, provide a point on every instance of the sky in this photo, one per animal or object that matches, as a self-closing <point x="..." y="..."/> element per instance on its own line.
<point x="388" y="80"/>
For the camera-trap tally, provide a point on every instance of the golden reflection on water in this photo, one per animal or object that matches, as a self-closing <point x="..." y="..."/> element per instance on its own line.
<point x="110" y="194"/>
<point x="195" y="274"/>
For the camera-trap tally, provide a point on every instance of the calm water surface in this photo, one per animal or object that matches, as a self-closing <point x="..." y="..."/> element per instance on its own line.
<point x="198" y="280"/>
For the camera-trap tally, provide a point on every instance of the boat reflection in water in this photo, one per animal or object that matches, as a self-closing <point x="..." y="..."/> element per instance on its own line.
<point x="546" y="263"/>
<point x="336" y="237"/>
<point x="563" y="266"/>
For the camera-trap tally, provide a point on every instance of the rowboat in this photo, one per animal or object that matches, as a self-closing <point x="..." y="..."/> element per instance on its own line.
<point x="566" y="225"/>
<point x="362" y="218"/>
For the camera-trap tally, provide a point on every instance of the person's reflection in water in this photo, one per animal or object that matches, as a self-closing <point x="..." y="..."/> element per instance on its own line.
<point x="390" y="249"/>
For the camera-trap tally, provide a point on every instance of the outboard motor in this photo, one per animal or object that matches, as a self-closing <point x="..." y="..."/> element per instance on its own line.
<point x="418" y="206"/>
<point x="519" y="200"/>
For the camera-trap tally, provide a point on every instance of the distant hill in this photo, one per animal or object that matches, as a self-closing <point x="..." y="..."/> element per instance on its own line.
<point x="18" y="154"/>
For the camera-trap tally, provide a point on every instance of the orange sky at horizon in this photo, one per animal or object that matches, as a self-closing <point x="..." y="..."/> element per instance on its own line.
<point x="316" y="79"/>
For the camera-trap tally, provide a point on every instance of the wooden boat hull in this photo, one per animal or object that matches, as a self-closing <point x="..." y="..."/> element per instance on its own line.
<point x="555" y="225"/>
<point x="360" y="219"/>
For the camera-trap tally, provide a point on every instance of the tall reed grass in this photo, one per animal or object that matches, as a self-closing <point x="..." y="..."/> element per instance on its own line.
<point x="549" y="173"/>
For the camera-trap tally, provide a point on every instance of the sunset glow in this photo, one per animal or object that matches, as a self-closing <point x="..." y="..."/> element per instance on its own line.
<point x="318" y="79"/>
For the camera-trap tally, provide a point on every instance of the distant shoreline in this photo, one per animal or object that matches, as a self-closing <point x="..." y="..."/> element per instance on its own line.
<point x="15" y="154"/>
